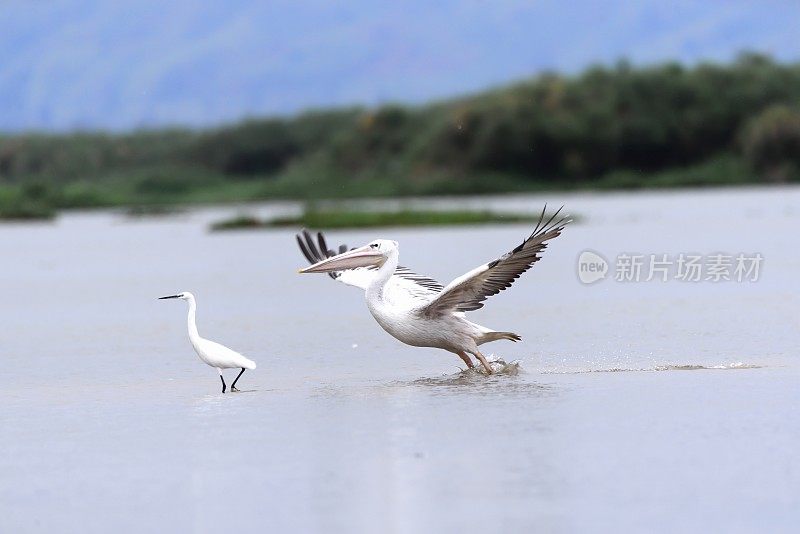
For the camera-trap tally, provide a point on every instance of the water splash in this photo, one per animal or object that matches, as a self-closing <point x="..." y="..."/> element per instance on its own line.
<point x="499" y="367"/>
<point x="501" y="370"/>
<point x="505" y="381"/>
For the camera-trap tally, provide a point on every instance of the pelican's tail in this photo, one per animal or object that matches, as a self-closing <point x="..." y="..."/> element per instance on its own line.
<point x="249" y="364"/>
<point x="494" y="336"/>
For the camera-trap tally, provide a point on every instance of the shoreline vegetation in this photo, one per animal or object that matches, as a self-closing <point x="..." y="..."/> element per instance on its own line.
<point x="333" y="219"/>
<point x="609" y="127"/>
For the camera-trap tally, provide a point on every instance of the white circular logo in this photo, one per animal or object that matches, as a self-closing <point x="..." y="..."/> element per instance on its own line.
<point x="592" y="267"/>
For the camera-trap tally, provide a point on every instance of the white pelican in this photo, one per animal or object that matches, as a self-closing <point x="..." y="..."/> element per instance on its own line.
<point x="418" y="310"/>
<point x="213" y="354"/>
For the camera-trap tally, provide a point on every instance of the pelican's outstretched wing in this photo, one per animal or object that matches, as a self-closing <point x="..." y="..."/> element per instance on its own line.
<point x="468" y="292"/>
<point x="404" y="278"/>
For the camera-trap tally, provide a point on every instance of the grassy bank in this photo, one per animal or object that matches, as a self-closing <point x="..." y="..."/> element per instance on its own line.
<point x="608" y="127"/>
<point x="26" y="203"/>
<point x="337" y="219"/>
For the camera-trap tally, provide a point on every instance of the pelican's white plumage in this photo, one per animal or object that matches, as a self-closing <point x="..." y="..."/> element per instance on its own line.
<point x="418" y="310"/>
<point x="211" y="352"/>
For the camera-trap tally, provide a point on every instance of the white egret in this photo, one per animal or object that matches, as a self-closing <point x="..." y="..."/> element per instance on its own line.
<point x="418" y="310"/>
<point x="211" y="353"/>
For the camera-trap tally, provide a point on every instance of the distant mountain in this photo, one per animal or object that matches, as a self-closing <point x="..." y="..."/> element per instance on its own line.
<point x="68" y="64"/>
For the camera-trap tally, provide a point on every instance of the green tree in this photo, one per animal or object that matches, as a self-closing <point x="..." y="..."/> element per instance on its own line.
<point x="771" y="143"/>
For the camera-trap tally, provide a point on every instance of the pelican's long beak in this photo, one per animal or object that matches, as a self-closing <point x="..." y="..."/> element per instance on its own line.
<point x="169" y="297"/>
<point x="365" y="256"/>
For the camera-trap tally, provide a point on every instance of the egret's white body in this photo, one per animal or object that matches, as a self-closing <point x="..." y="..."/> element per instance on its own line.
<point x="211" y="352"/>
<point x="416" y="309"/>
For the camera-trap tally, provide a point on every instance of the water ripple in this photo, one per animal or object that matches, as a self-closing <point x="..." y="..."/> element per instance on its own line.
<point x="666" y="367"/>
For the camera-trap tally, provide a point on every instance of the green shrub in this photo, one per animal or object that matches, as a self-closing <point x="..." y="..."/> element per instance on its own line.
<point x="25" y="203"/>
<point x="771" y="143"/>
<point x="610" y="126"/>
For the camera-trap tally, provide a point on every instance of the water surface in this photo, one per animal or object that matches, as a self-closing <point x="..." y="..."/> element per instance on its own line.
<point x="648" y="406"/>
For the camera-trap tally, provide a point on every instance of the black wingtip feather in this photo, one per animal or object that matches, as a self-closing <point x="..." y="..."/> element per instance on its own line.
<point x="323" y="246"/>
<point x="312" y="249"/>
<point x="541" y="218"/>
<point x="309" y="250"/>
<point x="304" y="250"/>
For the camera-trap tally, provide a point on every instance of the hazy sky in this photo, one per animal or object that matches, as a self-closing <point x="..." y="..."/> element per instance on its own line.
<point x="122" y="64"/>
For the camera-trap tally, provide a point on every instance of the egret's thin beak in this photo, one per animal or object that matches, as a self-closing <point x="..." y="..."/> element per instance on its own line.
<point x="365" y="256"/>
<point x="170" y="297"/>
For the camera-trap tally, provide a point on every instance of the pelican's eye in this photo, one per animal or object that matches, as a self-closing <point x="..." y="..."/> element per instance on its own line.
<point x="374" y="245"/>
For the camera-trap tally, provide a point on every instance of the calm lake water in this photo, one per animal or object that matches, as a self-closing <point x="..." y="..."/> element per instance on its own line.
<point x="650" y="406"/>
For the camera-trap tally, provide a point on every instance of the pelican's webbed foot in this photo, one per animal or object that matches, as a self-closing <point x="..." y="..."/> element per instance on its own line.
<point x="485" y="363"/>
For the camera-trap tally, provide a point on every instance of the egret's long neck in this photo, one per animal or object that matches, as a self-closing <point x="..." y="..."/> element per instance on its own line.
<point x="192" y="322"/>
<point x="385" y="272"/>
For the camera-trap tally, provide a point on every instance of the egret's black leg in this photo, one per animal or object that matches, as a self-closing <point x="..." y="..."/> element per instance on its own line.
<point x="223" y="382"/>
<point x="233" y="386"/>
